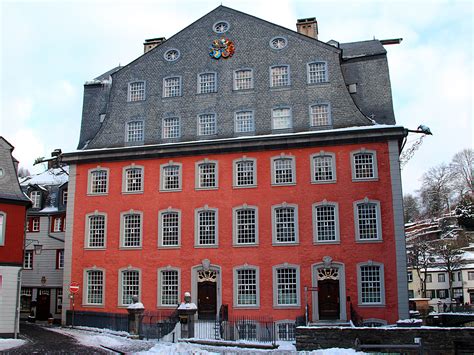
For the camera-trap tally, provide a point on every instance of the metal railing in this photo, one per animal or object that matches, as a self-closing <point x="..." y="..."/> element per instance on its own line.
<point x="114" y="321"/>
<point x="157" y="324"/>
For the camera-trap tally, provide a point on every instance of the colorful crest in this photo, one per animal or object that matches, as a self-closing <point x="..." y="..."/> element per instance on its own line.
<point x="221" y="48"/>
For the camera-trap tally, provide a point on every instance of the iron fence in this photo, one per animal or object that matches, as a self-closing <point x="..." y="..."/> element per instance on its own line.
<point x="113" y="321"/>
<point x="157" y="324"/>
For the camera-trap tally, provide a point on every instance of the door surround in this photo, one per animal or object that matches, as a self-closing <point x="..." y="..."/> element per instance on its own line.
<point x="329" y="269"/>
<point x="204" y="269"/>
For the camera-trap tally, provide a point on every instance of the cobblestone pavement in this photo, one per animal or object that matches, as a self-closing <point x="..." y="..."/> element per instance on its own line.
<point x="43" y="341"/>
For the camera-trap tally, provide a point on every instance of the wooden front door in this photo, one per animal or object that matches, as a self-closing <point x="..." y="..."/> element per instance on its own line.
<point x="207" y="300"/>
<point x="328" y="299"/>
<point x="42" y="304"/>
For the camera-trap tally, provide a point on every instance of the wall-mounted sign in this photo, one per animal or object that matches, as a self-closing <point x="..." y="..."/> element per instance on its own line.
<point x="222" y="48"/>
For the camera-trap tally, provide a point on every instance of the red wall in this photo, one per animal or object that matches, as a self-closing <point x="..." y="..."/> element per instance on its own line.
<point x="12" y="250"/>
<point x="304" y="194"/>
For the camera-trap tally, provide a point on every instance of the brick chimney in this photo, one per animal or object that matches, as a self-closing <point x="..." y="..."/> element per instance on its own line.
<point x="308" y="27"/>
<point x="152" y="43"/>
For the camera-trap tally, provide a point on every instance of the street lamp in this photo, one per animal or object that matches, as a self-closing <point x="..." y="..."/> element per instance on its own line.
<point x="37" y="246"/>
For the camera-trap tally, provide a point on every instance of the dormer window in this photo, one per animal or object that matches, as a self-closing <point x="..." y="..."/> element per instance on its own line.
<point x="35" y="197"/>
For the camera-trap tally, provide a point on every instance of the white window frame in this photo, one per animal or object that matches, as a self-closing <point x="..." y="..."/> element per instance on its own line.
<point x="289" y="118"/>
<point x="120" y="283"/>
<point x="161" y="215"/>
<point x="163" y="169"/>
<point x="374" y="165"/>
<point x="337" y="237"/>
<point x="211" y="86"/>
<point x="197" y="235"/>
<point x="308" y="72"/>
<point x="28" y="261"/>
<point x="378" y="220"/>
<point x="329" y="117"/>
<point x="286" y="323"/>
<point x="274" y="76"/>
<point x="441" y="277"/>
<point x="122" y="229"/>
<point x="3" y="223"/>
<point x="160" y="287"/>
<point x="235" y="211"/>
<point x="274" y="161"/>
<point x="359" y="284"/>
<point x="60" y="259"/>
<point x="202" y="128"/>
<point x="125" y="187"/>
<point x="322" y="155"/>
<point x="250" y="121"/>
<point x="235" y="163"/>
<point x="275" y="286"/>
<point x="86" y="284"/>
<point x="197" y="166"/>
<point x="35" y="224"/>
<point x="57" y="224"/>
<point x="35" y="197"/>
<point x="64" y="197"/>
<point x="410" y="276"/>
<point x="166" y="89"/>
<point x="236" y="270"/>
<point x="128" y="132"/>
<point x="140" y="92"/>
<point x="275" y="242"/>
<point x="166" y="129"/>
<point x="243" y="80"/>
<point x="98" y="169"/>
<point x="87" y="242"/>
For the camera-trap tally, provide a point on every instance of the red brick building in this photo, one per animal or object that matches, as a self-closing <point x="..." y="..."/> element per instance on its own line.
<point x="302" y="208"/>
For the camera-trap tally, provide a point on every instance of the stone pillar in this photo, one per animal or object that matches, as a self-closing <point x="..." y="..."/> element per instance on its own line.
<point x="135" y="315"/>
<point x="186" y="312"/>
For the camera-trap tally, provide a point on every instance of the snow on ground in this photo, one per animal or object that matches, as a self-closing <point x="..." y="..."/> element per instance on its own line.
<point x="11" y="343"/>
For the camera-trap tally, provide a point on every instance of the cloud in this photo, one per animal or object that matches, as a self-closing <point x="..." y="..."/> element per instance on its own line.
<point x="28" y="146"/>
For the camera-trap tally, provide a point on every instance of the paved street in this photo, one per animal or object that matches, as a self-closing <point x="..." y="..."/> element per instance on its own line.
<point x="43" y="341"/>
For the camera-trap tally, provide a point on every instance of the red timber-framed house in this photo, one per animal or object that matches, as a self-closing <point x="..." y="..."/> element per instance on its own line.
<point x="245" y="163"/>
<point x="13" y="206"/>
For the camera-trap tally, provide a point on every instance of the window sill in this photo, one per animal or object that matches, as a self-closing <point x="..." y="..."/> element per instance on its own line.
<point x="369" y="241"/>
<point x="287" y="244"/>
<point x="244" y="186"/>
<point x="213" y="246"/>
<point x="374" y="305"/>
<point x="365" y="179"/>
<point x="130" y="248"/>
<point x="132" y="192"/>
<point x="171" y="190"/>
<point x="254" y="245"/>
<point x="169" y="247"/>
<point x="97" y="194"/>
<point x="283" y="184"/>
<point x="159" y="306"/>
<point x="87" y="305"/>
<point x="206" y="188"/>
<point x="246" y="306"/>
<point x="95" y="248"/>
<point x="286" y="307"/>
<point x="327" y="242"/>
<point x="323" y="182"/>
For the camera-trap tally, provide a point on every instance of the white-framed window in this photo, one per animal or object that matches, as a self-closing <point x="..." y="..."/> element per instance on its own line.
<point x="171" y="176"/>
<point x="65" y="197"/>
<point x="371" y="283"/>
<point x="279" y="76"/>
<point x="172" y="86"/>
<point x="245" y="225"/>
<point x="326" y="222"/>
<point x="243" y="79"/>
<point x="278" y="43"/>
<point x="28" y="260"/>
<point x="130" y="285"/>
<point x="221" y="27"/>
<point x="429" y="278"/>
<point x="26" y="297"/>
<point x="286" y="286"/>
<point x="60" y="259"/>
<point x="131" y="229"/>
<point x="364" y="165"/>
<point x="282" y="118"/>
<point x="207" y="83"/>
<point x="171" y="55"/>
<point x="246" y="286"/>
<point x="245" y="172"/>
<point x="207" y="124"/>
<point x="98" y="181"/>
<point x="135" y="131"/>
<point x="410" y="276"/>
<point x="136" y="91"/>
<point x="169" y="287"/>
<point x="319" y="115"/>
<point x="367" y="220"/>
<point x="323" y="167"/>
<point x="244" y="121"/>
<point x="286" y="330"/>
<point x="94" y="286"/>
<point x="206" y="227"/>
<point x="35" y="197"/>
<point x="96" y="230"/>
<point x="35" y="224"/>
<point x="169" y="228"/>
<point x="3" y="222"/>
<point x="285" y="224"/>
<point x="441" y="277"/>
<point x="132" y="179"/>
<point x="57" y="224"/>
<point x="317" y="72"/>
<point x="207" y="174"/>
<point x="171" y="127"/>
<point x="283" y="170"/>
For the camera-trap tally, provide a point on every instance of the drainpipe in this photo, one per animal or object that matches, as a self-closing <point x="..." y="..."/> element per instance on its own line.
<point x="16" y="327"/>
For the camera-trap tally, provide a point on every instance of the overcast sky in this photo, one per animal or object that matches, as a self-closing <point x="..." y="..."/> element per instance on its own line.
<point x="50" y="48"/>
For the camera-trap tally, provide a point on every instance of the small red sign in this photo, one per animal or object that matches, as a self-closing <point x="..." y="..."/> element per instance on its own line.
<point x="313" y="289"/>
<point x="74" y="287"/>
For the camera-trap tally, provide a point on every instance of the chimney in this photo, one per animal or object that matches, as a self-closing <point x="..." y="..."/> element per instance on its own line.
<point x="308" y="27"/>
<point x="152" y="43"/>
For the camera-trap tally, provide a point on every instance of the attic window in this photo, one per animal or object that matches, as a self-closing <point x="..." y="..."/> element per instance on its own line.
<point x="171" y="55"/>
<point x="1" y="173"/>
<point x="221" y="27"/>
<point x="278" y="43"/>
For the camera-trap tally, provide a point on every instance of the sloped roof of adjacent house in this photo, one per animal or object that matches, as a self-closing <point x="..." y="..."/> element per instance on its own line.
<point x="9" y="186"/>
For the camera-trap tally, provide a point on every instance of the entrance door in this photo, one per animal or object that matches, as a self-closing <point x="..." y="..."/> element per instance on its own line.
<point x="328" y="299"/>
<point x="42" y="304"/>
<point x="207" y="300"/>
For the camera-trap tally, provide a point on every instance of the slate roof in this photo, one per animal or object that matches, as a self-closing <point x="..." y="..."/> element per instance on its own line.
<point x="362" y="49"/>
<point x="9" y="186"/>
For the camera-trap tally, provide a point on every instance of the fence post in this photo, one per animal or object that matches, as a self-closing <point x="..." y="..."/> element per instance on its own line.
<point x="135" y="315"/>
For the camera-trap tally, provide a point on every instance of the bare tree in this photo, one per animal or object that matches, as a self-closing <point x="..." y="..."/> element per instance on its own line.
<point x="462" y="167"/>
<point x="411" y="209"/>
<point x="23" y="172"/>
<point x="436" y="191"/>
<point x="420" y="260"/>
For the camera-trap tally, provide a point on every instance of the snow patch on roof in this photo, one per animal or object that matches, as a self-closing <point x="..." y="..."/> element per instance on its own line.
<point x="55" y="176"/>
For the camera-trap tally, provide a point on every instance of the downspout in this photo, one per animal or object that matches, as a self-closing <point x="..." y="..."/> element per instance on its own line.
<point x="16" y="328"/>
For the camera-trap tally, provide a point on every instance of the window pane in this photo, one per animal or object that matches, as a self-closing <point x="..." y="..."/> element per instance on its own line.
<point x="245" y="171"/>
<point x="243" y="79"/>
<point x="170" y="229"/>
<point x="323" y="168"/>
<point x="95" y="287"/>
<point x="99" y="182"/>
<point x="367" y="214"/>
<point x="96" y="231"/>
<point x="244" y="122"/>
<point x="135" y="131"/>
<point x="207" y="227"/>
<point x="171" y="177"/>
<point x="319" y="115"/>
<point x="137" y="91"/>
<point x="371" y="289"/>
<point x="207" y="175"/>
<point x="130" y="286"/>
<point x="317" y="72"/>
<point x="283" y="171"/>
<point x="287" y="286"/>
<point x="171" y="128"/>
<point x="132" y="230"/>
<point x="133" y="180"/>
<point x="172" y="87"/>
<point x="280" y="76"/>
<point x="206" y="124"/>
<point x="364" y="165"/>
<point x="246" y="226"/>
<point x="247" y="287"/>
<point x="285" y="225"/>
<point x="281" y="118"/>
<point x="326" y="223"/>
<point x="207" y="83"/>
<point x="169" y="287"/>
